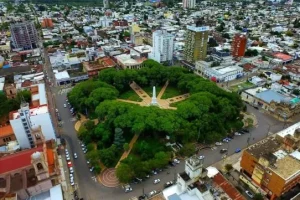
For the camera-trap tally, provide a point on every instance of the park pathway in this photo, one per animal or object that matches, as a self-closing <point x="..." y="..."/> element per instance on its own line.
<point x="129" y="101"/>
<point x="126" y="153"/>
<point x="163" y="89"/>
<point x="178" y="98"/>
<point x="142" y="94"/>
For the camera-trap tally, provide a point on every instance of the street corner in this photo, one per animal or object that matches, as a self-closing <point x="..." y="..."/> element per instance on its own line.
<point x="108" y="178"/>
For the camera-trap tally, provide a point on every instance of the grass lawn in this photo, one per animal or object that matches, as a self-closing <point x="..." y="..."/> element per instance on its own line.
<point x="240" y="86"/>
<point x="149" y="90"/>
<point x="130" y="95"/>
<point x="171" y="92"/>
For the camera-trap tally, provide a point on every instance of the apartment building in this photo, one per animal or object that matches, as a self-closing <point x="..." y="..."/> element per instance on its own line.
<point x="47" y="23"/>
<point x="196" y="43"/>
<point x="24" y="35"/>
<point x="189" y="3"/>
<point x="238" y="46"/>
<point x="163" y="46"/>
<point x="270" y="167"/>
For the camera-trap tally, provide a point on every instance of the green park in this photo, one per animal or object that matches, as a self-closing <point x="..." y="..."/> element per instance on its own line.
<point x="206" y="115"/>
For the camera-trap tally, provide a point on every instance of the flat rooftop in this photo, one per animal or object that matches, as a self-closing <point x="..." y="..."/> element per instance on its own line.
<point x="225" y="70"/>
<point x="143" y="49"/>
<point x="33" y="111"/>
<point x="287" y="167"/>
<point x="264" y="148"/>
<point x="270" y="95"/>
<point x="184" y="176"/>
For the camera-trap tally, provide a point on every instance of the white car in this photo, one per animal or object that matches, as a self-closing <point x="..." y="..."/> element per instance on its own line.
<point x="249" y="194"/>
<point x="91" y="169"/>
<point x="156" y="181"/>
<point x="128" y="189"/>
<point x="56" y="110"/>
<point x="176" y="161"/>
<point x="71" y="170"/>
<point x="72" y="183"/>
<point x="201" y="157"/>
<point x="65" y="105"/>
<point x="219" y="144"/>
<point x="152" y="193"/>
<point x="75" y="155"/>
<point x="71" y="175"/>
<point x="68" y="157"/>
<point x="237" y="133"/>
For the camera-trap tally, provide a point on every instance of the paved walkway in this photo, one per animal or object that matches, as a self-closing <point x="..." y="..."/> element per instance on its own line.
<point x="108" y="178"/>
<point x="126" y="153"/>
<point x="81" y="121"/>
<point x="178" y="98"/>
<point x="162" y="91"/>
<point x="142" y="94"/>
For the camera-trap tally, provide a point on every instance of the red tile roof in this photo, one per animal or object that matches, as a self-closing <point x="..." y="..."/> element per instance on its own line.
<point x="229" y="189"/>
<point x="17" y="160"/>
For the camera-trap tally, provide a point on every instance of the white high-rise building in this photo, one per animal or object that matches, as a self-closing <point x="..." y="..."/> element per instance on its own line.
<point x="105" y="3"/>
<point x="163" y="46"/>
<point x="188" y="3"/>
<point x="26" y="119"/>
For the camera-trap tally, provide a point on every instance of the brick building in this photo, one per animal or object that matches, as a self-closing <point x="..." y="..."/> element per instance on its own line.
<point x="238" y="46"/>
<point x="47" y="23"/>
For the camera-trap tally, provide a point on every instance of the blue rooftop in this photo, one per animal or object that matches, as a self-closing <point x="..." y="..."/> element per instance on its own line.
<point x="174" y="197"/>
<point x="269" y="95"/>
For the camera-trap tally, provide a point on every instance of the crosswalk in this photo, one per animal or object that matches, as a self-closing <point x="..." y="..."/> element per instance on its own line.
<point x="64" y="90"/>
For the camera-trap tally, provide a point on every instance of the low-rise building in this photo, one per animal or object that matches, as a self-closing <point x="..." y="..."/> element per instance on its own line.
<point x="6" y="134"/>
<point x="93" y="68"/>
<point x="127" y="61"/>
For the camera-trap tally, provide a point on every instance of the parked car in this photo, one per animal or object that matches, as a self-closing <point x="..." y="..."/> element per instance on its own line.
<point x="138" y="179"/>
<point x="154" y="172"/>
<point x="249" y="194"/>
<point x="156" y="181"/>
<point x="223" y="150"/>
<point x="72" y="183"/>
<point x="153" y="192"/>
<point x="218" y="143"/>
<point x="168" y="184"/>
<point x="201" y="157"/>
<point x="128" y="188"/>
<point x="58" y="118"/>
<point x="238" y="150"/>
<point x="172" y="163"/>
<point x="56" y="110"/>
<point x="142" y="197"/>
<point x="225" y="140"/>
<point x="245" y="130"/>
<point x="65" y="105"/>
<point x="71" y="170"/>
<point x="237" y="133"/>
<point x="176" y="161"/>
<point x="91" y="169"/>
<point x="68" y="157"/>
<point x="75" y="155"/>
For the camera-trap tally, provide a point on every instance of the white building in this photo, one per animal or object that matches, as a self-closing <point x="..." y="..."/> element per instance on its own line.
<point x="188" y="3"/>
<point x="105" y="21"/>
<point x="220" y="73"/>
<point x="25" y="119"/>
<point x="163" y="46"/>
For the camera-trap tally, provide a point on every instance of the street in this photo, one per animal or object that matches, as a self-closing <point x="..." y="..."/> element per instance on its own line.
<point x="89" y="189"/>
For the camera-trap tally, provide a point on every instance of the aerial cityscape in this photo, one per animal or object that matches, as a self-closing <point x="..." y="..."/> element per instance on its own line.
<point x="149" y="100"/>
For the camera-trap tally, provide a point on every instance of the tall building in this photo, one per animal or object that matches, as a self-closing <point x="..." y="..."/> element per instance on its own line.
<point x="196" y="43"/>
<point x="163" y="46"/>
<point x="272" y="166"/>
<point x="188" y="3"/>
<point x="25" y="120"/>
<point x="24" y="35"/>
<point x="238" y="46"/>
<point x="47" y="23"/>
<point x="134" y="29"/>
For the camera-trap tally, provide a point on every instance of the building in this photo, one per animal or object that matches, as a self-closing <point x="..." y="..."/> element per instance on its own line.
<point x="134" y="29"/>
<point x="24" y="35"/>
<point x="189" y="3"/>
<point x="163" y="46"/>
<point x="6" y="135"/>
<point x="47" y="23"/>
<point x="93" y="68"/>
<point x="26" y="119"/>
<point x="30" y="172"/>
<point x="196" y="43"/>
<point x="105" y="3"/>
<point x="130" y="61"/>
<point x="238" y="45"/>
<point x="219" y="73"/>
<point x="269" y="168"/>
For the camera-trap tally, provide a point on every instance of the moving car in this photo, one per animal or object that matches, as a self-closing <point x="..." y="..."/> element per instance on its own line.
<point x="91" y="169"/>
<point x="168" y="184"/>
<point x="223" y="150"/>
<point x="238" y="150"/>
<point x="75" y="155"/>
<point x="65" y="105"/>
<point x="153" y="192"/>
<point x="156" y="181"/>
<point x="249" y="194"/>
<point x="201" y="157"/>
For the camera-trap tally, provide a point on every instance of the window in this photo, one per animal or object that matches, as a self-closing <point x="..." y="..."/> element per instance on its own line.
<point x="23" y="120"/>
<point x="39" y="166"/>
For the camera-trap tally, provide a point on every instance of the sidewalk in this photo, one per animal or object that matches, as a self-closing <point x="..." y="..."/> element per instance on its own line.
<point x="126" y="153"/>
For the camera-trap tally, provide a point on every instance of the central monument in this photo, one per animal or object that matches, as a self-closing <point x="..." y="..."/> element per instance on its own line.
<point x="154" y="100"/>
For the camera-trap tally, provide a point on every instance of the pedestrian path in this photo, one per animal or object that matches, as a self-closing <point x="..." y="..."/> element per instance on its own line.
<point x="163" y="89"/>
<point x="142" y="94"/>
<point x="178" y="98"/>
<point x="126" y="153"/>
<point x="64" y="90"/>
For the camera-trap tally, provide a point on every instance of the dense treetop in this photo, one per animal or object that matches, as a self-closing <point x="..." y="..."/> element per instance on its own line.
<point x="210" y="111"/>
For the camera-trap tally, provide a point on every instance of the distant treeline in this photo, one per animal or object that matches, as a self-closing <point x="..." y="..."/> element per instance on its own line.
<point x="66" y="1"/>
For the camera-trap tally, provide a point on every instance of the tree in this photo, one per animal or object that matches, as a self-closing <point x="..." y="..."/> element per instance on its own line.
<point x="188" y="150"/>
<point x="97" y="169"/>
<point x="124" y="173"/>
<point x="108" y="156"/>
<point x="289" y="33"/>
<point x="126" y="147"/>
<point x="258" y="196"/>
<point x="228" y="167"/>
<point x="226" y="35"/>
<point x="161" y="159"/>
<point x="119" y="139"/>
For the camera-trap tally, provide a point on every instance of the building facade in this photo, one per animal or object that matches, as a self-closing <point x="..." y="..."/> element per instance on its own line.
<point x="270" y="168"/>
<point x="163" y="46"/>
<point x="196" y="43"/>
<point x="189" y="3"/>
<point x="47" y="23"/>
<point x="25" y="119"/>
<point x="24" y="35"/>
<point x="238" y="45"/>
